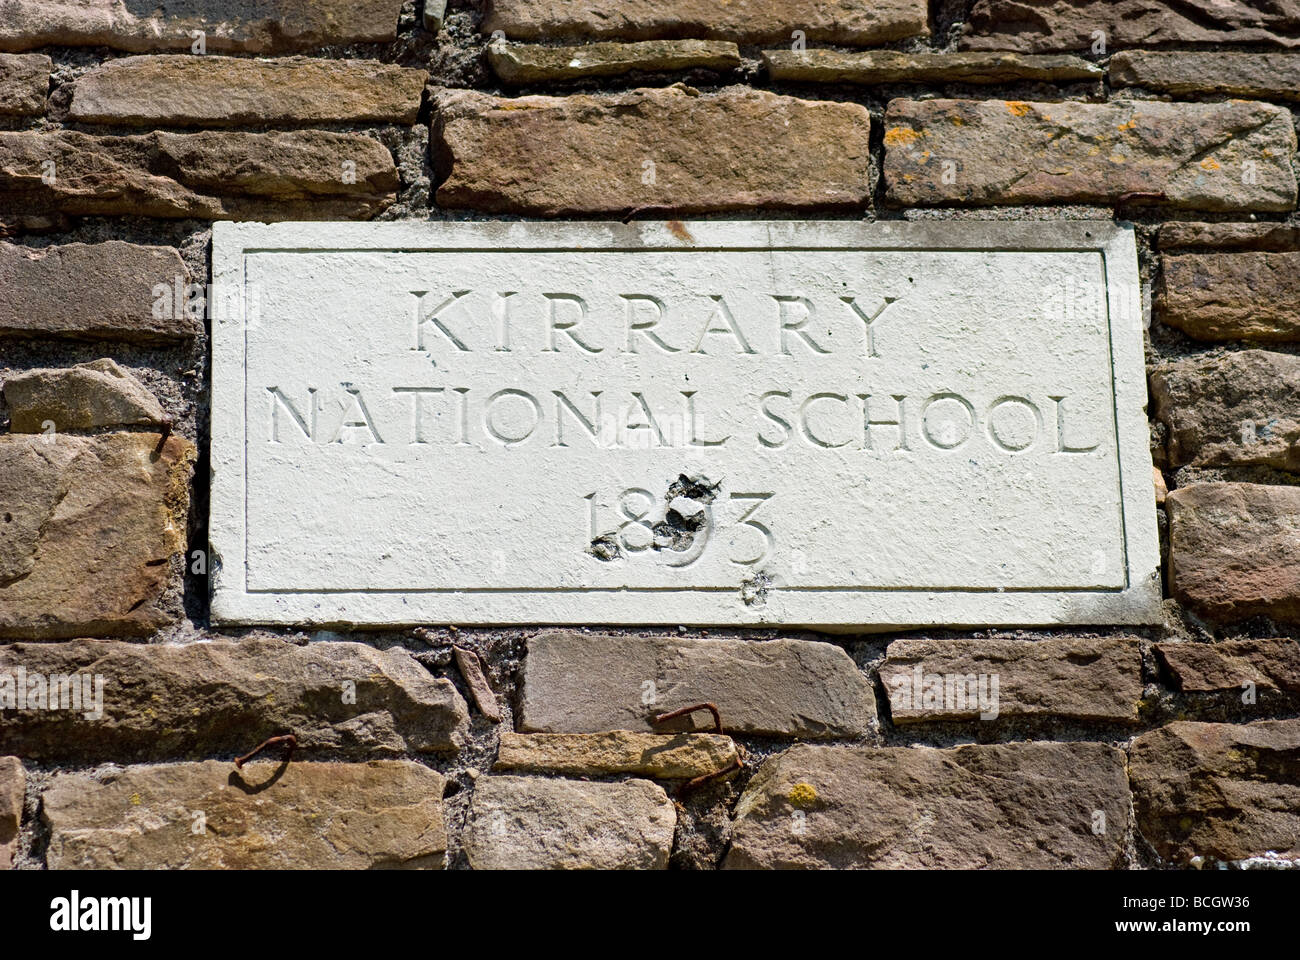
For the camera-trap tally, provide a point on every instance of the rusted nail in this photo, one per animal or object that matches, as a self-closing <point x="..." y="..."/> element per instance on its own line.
<point x="694" y="708"/>
<point x="471" y="668"/>
<point x="698" y="782"/>
<point x="165" y="432"/>
<point x="288" y="738"/>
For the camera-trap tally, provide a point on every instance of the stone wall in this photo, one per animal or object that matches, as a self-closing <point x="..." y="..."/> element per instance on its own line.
<point x="125" y="132"/>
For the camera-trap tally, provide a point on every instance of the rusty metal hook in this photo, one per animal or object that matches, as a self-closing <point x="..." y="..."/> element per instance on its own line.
<point x="288" y="738"/>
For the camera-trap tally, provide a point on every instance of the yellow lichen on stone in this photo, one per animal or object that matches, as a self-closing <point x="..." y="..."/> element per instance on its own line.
<point x="802" y="794"/>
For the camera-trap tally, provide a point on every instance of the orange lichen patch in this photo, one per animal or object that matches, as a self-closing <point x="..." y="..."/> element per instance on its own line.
<point x="901" y="136"/>
<point x="1209" y="163"/>
<point x="1127" y="126"/>
<point x="1018" y="108"/>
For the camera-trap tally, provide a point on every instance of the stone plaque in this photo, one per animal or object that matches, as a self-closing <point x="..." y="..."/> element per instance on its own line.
<point x="837" y="424"/>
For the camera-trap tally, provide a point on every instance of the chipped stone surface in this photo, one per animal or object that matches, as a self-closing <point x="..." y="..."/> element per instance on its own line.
<point x="90" y="524"/>
<point x="1268" y="664"/>
<point x="1232" y="296"/>
<point x="1269" y="76"/>
<point x="585" y="683"/>
<point x="189" y="91"/>
<point x="531" y="823"/>
<point x="663" y="757"/>
<point x="1181" y="155"/>
<point x="246" y="28"/>
<point x="1219" y="790"/>
<point x="84" y="397"/>
<point x="1228" y="236"/>
<point x="530" y="63"/>
<point x="283" y="175"/>
<point x="163" y="702"/>
<point x="733" y="150"/>
<point x="894" y="66"/>
<point x="92" y="291"/>
<point x="1087" y="679"/>
<point x="1018" y="805"/>
<point x="24" y="83"/>
<point x="1238" y="409"/>
<point x="13" y="787"/>
<point x="268" y="816"/>
<point x="851" y="22"/>
<point x="1235" y="550"/>
<point x="1050" y="25"/>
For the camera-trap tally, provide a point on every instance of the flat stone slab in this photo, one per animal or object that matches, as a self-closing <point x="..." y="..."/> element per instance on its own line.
<point x="90" y="527"/>
<point x="843" y="425"/>
<point x="585" y="683"/>
<point x="1239" y="409"/>
<point x="1221" y="790"/>
<point x="1267" y="665"/>
<point x="268" y="816"/>
<point x="1233" y="550"/>
<point x="1090" y="679"/>
<point x="533" y="823"/>
<point x="662" y="756"/>
<point x="1009" y="806"/>
<point x="85" y="397"/>
<point x="533" y="62"/>
<point x="139" y="702"/>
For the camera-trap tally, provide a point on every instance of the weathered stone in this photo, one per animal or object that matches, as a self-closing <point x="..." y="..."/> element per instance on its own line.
<point x="1218" y="790"/>
<point x="1162" y="488"/>
<point x="24" y="83"/>
<point x="671" y="150"/>
<point x="247" y="28"/>
<point x="90" y="524"/>
<point x="529" y="63"/>
<point x="1184" y="155"/>
<point x="1229" y="236"/>
<point x="189" y="91"/>
<point x="850" y="22"/>
<point x="894" y="66"/>
<point x="664" y="757"/>
<point x="294" y="174"/>
<point x="1235" y="550"/>
<point x="471" y="668"/>
<point x="1239" y="409"/>
<point x="434" y="12"/>
<point x="1045" y="25"/>
<point x="1232" y="296"/>
<point x="1019" y="805"/>
<point x="93" y="291"/>
<point x="200" y="699"/>
<point x="585" y="683"/>
<point x="13" y="787"/>
<point x="89" y="395"/>
<point x="1265" y="75"/>
<point x="268" y="816"/>
<point x="1071" y="678"/>
<point x="1269" y="665"/>
<point x="531" y="823"/>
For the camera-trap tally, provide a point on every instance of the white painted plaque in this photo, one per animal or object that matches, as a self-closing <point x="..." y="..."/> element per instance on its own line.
<point x="836" y="424"/>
